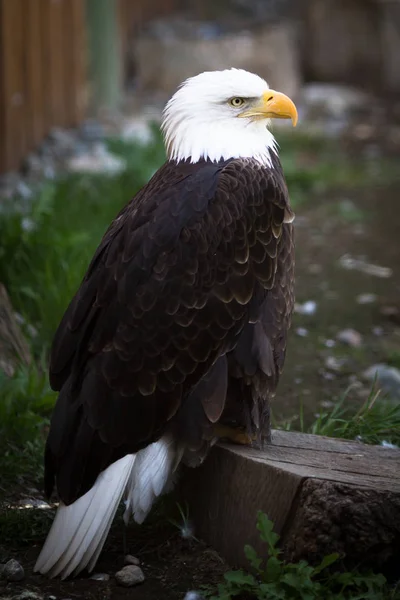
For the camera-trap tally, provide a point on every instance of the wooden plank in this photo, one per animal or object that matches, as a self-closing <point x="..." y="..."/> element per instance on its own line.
<point x="75" y="44"/>
<point x="35" y="119"/>
<point x="290" y="481"/>
<point x="47" y="104"/>
<point x="13" y="92"/>
<point x="3" y="120"/>
<point x="56" y="61"/>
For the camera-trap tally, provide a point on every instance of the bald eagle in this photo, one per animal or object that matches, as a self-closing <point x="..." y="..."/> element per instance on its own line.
<point x="177" y="335"/>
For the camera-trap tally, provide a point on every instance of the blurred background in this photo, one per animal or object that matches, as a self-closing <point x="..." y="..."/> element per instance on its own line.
<point x="82" y="87"/>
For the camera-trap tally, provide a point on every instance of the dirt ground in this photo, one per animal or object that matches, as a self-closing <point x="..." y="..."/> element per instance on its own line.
<point x="171" y="564"/>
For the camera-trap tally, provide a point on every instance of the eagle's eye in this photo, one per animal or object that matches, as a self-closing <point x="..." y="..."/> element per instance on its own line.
<point x="236" y="102"/>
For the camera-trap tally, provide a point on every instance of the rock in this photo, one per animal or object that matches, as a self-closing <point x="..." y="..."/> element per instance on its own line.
<point x="139" y="128"/>
<point x="378" y="331"/>
<point x="386" y="444"/>
<point x="329" y="101"/>
<point x="302" y="331"/>
<point x="330" y="343"/>
<point x="192" y="595"/>
<point x="366" y="298"/>
<point x="129" y="576"/>
<point x="177" y="49"/>
<point x="28" y="595"/>
<point x="13" y="571"/>
<point x="307" y="308"/>
<point x="131" y="560"/>
<point x="100" y="577"/>
<point x="388" y="378"/>
<point x="334" y="364"/>
<point x="92" y="131"/>
<point x="351" y="337"/>
<point x="390" y="312"/>
<point x="359" y="264"/>
<point x="33" y="503"/>
<point x="98" y="160"/>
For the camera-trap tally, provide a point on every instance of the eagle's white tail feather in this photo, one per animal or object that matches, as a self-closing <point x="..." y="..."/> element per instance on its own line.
<point x="149" y="477"/>
<point x="80" y="529"/>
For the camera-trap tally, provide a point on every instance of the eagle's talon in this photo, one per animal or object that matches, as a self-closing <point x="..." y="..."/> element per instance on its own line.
<point x="236" y="435"/>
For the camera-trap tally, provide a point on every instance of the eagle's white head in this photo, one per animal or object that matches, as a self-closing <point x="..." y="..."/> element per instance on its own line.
<point x="224" y="114"/>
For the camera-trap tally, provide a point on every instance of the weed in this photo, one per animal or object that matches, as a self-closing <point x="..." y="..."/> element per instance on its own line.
<point x="274" y="579"/>
<point x="374" y="423"/>
<point x="26" y="403"/>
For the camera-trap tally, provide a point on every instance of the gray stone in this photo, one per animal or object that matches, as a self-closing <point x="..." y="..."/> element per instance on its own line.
<point x="129" y="576"/>
<point x="28" y="595"/>
<point x="98" y="160"/>
<point x="307" y="308"/>
<point x="334" y="364"/>
<point x="388" y="378"/>
<point x="100" y="577"/>
<point x="131" y="560"/>
<point x="13" y="571"/>
<point x="326" y="100"/>
<point x="192" y="595"/>
<point x="164" y="61"/>
<point x="351" y="337"/>
<point x="367" y="298"/>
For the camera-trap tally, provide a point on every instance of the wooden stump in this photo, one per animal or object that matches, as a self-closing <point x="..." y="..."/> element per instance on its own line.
<point x="13" y="346"/>
<point x="324" y="495"/>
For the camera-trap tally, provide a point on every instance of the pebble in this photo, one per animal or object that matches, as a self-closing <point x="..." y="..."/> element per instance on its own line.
<point x="307" y="308"/>
<point x="13" y="571"/>
<point x="100" y="577"/>
<point x="359" y="264"/>
<point x="330" y="343"/>
<point x="388" y="378"/>
<point x="386" y="444"/>
<point x="98" y="160"/>
<point x="302" y="331"/>
<point x="378" y="331"/>
<point x="28" y="595"/>
<point x="351" y="337"/>
<point x="131" y="560"/>
<point x="333" y="363"/>
<point x="193" y="596"/>
<point x="129" y="576"/>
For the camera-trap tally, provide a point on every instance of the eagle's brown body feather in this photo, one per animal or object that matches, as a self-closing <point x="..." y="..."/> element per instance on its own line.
<point x="186" y="303"/>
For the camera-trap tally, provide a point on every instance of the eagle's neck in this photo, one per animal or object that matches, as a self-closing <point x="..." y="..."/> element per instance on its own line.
<point x="216" y="141"/>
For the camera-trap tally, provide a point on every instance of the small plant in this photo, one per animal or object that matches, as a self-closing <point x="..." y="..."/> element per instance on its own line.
<point x="184" y="525"/>
<point x="26" y="401"/>
<point x="274" y="579"/>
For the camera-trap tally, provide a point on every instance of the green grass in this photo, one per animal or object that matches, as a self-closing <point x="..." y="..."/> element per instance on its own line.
<point x="376" y="421"/>
<point x="43" y="264"/>
<point x="271" y="578"/>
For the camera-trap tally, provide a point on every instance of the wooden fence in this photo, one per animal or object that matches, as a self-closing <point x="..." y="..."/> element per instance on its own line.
<point x="42" y="72"/>
<point x="44" y="66"/>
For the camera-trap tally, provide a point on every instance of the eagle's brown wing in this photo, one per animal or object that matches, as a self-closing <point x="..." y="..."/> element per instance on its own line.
<point x="174" y="281"/>
<point x="257" y="360"/>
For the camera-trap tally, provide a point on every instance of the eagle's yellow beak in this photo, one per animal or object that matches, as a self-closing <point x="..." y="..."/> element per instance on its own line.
<point x="273" y="105"/>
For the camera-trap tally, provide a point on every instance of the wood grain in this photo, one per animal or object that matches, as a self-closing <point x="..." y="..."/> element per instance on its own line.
<point x="302" y="482"/>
